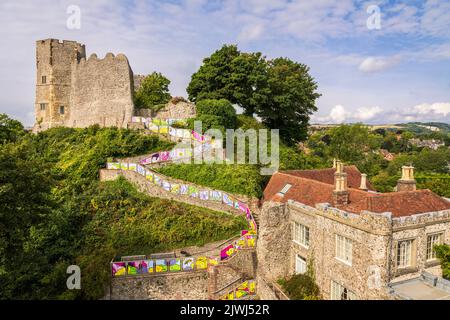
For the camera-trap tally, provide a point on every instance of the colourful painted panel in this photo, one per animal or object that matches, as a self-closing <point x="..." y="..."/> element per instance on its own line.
<point x="113" y="165"/>
<point x="184" y="189"/>
<point x="251" y="240"/>
<point x="204" y="195"/>
<point x="153" y="128"/>
<point x="124" y="165"/>
<point x="240" y="243"/>
<point x="227" y="252"/>
<point x="175" y="188"/>
<point x="132" y="267"/>
<point x="201" y="263"/>
<point x="141" y="170"/>
<point x="213" y="261"/>
<point x="252" y="287"/>
<point x="161" y="265"/>
<point x="166" y="185"/>
<point x="216" y="195"/>
<point x="236" y="204"/>
<point x="188" y="264"/>
<point x="164" y="156"/>
<point x="157" y="180"/>
<point x="193" y="191"/>
<point x="150" y="266"/>
<point x="227" y="200"/>
<point x="149" y="175"/>
<point x="118" y="269"/>
<point x="164" y="129"/>
<point x="132" y="166"/>
<point x="174" y="265"/>
<point x="240" y="293"/>
<point x="242" y="206"/>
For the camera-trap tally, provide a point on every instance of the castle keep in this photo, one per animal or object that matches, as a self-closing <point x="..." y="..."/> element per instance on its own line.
<point x="73" y="91"/>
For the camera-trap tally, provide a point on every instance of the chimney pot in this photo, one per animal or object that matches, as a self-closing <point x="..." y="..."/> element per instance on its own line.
<point x="407" y="182"/>
<point x="363" y="185"/>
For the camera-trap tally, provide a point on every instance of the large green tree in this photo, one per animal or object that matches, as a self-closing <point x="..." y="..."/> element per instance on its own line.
<point x="351" y="142"/>
<point x="291" y="99"/>
<point x="233" y="75"/>
<point x="10" y="129"/>
<point x="153" y="92"/>
<point x="280" y="91"/>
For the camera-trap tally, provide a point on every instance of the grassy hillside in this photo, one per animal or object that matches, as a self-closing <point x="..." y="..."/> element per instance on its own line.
<point x="54" y="212"/>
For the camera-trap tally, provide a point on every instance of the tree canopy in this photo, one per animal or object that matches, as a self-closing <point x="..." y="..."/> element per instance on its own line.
<point x="281" y="92"/>
<point x="153" y="92"/>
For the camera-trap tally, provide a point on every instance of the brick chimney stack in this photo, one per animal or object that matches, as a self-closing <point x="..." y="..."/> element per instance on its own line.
<point x="340" y="193"/>
<point x="363" y="185"/>
<point x="407" y="182"/>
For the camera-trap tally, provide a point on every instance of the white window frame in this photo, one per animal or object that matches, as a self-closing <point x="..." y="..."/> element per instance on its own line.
<point x="433" y="239"/>
<point x="301" y="235"/>
<point x="404" y="253"/>
<point x="300" y="262"/>
<point x="344" y="249"/>
<point x="285" y="189"/>
<point x="339" y="292"/>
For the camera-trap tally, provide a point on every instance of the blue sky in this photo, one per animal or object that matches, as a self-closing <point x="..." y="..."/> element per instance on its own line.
<point x="399" y="72"/>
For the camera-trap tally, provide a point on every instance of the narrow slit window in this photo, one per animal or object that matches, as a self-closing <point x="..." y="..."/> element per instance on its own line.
<point x="44" y="79"/>
<point x="61" y="109"/>
<point x="43" y="106"/>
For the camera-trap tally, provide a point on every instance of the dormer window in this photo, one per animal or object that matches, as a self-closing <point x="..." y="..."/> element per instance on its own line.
<point x="285" y="189"/>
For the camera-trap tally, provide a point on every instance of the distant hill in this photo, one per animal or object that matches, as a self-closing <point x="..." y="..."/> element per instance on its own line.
<point x="426" y="127"/>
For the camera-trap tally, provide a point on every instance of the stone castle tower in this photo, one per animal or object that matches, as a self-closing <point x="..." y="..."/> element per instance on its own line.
<point x="73" y="91"/>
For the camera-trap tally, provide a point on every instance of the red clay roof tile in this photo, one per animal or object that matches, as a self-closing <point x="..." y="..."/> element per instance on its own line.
<point x="311" y="187"/>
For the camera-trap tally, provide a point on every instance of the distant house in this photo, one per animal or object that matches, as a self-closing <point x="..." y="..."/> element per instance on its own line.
<point x="387" y="155"/>
<point x="431" y="143"/>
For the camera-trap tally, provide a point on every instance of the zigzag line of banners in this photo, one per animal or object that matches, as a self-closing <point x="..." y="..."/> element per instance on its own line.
<point x="187" y="264"/>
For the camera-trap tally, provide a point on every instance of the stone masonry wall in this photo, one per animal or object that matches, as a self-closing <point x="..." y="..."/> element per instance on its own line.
<point x="179" y="286"/>
<point x="151" y="189"/>
<point x="417" y="228"/>
<point x="101" y="92"/>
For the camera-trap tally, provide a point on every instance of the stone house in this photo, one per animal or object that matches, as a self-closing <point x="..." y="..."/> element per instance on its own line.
<point x="358" y="242"/>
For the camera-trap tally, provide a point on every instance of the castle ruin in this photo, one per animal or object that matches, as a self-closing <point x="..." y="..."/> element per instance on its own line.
<point x="73" y="91"/>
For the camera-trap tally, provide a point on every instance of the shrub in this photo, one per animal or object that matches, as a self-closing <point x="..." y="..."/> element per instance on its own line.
<point x="301" y="287"/>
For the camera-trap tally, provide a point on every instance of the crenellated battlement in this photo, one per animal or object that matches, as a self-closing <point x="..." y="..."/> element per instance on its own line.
<point x="75" y="91"/>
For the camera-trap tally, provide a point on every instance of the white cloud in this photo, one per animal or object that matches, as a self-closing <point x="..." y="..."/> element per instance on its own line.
<point x="439" y="108"/>
<point x="439" y="112"/>
<point x="339" y="114"/>
<point x="375" y="64"/>
<point x="251" y="32"/>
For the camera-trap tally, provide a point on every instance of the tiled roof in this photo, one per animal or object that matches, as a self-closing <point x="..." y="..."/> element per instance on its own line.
<point x="327" y="175"/>
<point x="313" y="191"/>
